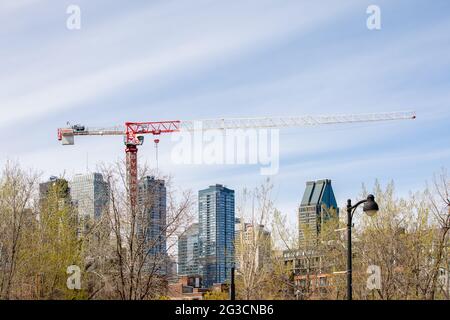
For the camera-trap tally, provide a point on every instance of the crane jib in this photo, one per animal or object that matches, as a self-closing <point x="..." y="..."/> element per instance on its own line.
<point x="132" y="130"/>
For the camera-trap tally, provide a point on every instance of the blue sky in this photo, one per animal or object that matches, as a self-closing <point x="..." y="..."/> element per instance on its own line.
<point x="167" y="59"/>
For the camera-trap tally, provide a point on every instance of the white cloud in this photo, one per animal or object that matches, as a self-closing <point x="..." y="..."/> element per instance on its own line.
<point x="230" y="33"/>
<point x="170" y="39"/>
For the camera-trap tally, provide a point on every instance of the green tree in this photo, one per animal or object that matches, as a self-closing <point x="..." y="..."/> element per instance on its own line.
<point x="54" y="245"/>
<point x="16" y="198"/>
<point x="215" y="295"/>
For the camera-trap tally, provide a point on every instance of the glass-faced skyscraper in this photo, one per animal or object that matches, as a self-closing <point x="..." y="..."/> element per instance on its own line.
<point x="188" y="250"/>
<point x="318" y="204"/>
<point x="216" y="233"/>
<point x="152" y="200"/>
<point x="90" y="194"/>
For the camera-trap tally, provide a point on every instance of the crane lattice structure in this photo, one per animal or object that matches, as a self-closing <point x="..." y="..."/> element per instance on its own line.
<point x="133" y="132"/>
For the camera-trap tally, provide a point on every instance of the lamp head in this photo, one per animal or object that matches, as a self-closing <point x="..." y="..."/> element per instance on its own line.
<point x="370" y="206"/>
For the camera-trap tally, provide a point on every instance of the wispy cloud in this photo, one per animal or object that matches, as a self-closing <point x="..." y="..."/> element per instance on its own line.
<point x="228" y="35"/>
<point x="203" y="58"/>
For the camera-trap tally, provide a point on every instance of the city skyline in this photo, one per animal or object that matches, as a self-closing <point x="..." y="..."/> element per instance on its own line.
<point x="286" y="61"/>
<point x="270" y="152"/>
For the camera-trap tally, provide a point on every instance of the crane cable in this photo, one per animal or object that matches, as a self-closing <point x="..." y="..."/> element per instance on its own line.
<point x="156" y="149"/>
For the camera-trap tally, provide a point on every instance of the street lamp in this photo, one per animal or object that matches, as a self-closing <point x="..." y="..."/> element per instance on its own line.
<point x="370" y="208"/>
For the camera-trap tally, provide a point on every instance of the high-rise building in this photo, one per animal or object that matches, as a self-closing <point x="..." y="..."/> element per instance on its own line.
<point x="216" y="233"/>
<point x="318" y="204"/>
<point x="188" y="252"/>
<point x="90" y="195"/>
<point x="252" y="241"/>
<point x="152" y="200"/>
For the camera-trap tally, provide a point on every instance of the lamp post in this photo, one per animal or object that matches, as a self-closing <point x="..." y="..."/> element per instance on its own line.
<point x="370" y="208"/>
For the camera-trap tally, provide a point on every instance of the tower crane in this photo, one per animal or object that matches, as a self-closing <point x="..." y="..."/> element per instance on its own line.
<point x="133" y="132"/>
